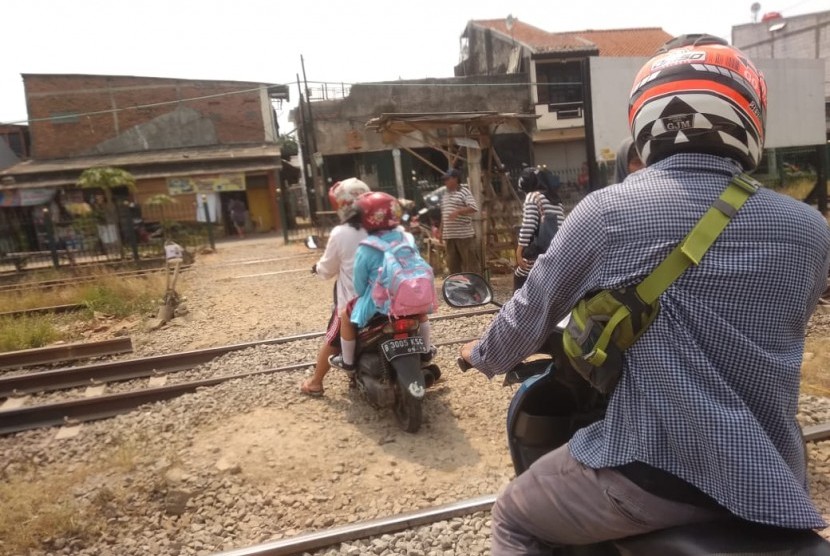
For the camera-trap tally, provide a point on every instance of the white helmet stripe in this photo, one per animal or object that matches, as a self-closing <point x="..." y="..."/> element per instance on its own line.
<point x="732" y="142"/>
<point x="700" y="121"/>
<point x="680" y="138"/>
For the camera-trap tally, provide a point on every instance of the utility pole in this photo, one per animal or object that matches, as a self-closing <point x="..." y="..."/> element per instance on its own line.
<point x="307" y="151"/>
<point x="316" y="171"/>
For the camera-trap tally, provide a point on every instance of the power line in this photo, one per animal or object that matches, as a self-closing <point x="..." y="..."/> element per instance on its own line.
<point x="136" y="107"/>
<point x="340" y="84"/>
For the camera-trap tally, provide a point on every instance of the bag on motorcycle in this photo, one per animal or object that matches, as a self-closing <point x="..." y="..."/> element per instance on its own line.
<point x="405" y="284"/>
<point x="602" y="326"/>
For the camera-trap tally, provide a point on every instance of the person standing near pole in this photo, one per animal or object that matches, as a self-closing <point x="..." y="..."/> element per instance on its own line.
<point x="457" y="232"/>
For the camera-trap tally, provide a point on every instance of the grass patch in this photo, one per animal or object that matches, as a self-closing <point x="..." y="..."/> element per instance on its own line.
<point x="27" y="332"/>
<point x="111" y="295"/>
<point x="37" y="510"/>
<point x="44" y="508"/>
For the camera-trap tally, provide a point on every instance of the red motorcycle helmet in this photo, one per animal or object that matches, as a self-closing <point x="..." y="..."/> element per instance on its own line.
<point x="379" y="211"/>
<point x="699" y="95"/>
<point x="343" y="194"/>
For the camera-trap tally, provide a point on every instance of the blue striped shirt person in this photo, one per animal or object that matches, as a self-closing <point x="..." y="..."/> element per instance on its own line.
<point x="709" y="393"/>
<point x="702" y="424"/>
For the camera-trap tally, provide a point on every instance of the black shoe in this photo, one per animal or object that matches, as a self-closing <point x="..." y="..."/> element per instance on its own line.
<point x="337" y="361"/>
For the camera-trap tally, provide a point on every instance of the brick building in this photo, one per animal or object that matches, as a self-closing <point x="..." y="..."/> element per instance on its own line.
<point x="195" y="140"/>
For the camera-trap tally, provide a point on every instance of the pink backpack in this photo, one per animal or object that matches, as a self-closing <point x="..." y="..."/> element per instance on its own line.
<point x="405" y="284"/>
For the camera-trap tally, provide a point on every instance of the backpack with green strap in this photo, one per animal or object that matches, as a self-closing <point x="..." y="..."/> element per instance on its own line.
<point x="601" y="327"/>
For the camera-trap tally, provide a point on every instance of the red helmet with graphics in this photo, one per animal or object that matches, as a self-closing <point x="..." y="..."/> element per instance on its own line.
<point x="343" y="194"/>
<point x="699" y="95"/>
<point x="379" y="210"/>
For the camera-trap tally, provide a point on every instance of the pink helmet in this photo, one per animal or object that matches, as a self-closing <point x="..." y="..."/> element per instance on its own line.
<point x="381" y="211"/>
<point x="342" y="195"/>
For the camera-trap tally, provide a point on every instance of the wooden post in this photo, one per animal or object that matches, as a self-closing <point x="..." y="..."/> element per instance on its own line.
<point x="474" y="181"/>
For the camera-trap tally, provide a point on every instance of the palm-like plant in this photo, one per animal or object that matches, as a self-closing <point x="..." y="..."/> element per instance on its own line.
<point x="106" y="179"/>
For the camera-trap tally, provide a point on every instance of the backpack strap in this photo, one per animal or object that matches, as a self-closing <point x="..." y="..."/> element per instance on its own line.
<point x="698" y="241"/>
<point x="376" y="243"/>
<point x="541" y="206"/>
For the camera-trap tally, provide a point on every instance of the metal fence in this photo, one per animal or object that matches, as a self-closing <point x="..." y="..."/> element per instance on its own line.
<point x="57" y="235"/>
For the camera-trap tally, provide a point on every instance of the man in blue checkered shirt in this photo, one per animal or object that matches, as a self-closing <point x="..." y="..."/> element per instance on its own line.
<point x="702" y="423"/>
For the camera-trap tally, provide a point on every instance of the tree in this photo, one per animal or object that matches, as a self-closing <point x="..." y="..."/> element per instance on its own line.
<point x="106" y="179"/>
<point x="288" y="147"/>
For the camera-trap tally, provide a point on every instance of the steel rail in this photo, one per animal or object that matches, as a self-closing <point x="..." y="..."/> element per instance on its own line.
<point x="816" y="433"/>
<point x="67" y="352"/>
<point x="113" y="371"/>
<point x="244" y="262"/>
<point x="67" y="308"/>
<point x="84" y="278"/>
<point x="309" y="542"/>
<point x="109" y="405"/>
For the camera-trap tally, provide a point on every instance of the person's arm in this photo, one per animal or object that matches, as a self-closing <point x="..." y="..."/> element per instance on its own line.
<point x="329" y="264"/>
<point x="470" y="205"/>
<point x="362" y="268"/>
<point x="552" y="289"/>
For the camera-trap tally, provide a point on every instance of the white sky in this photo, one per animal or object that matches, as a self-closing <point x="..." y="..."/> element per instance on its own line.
<point x="340" y="41"/>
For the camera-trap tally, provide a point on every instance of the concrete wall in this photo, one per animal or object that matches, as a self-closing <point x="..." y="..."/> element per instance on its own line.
<point x="340" y="125"/>
<point x="488" y="53"/>
<point x="804" y="36"/>
<point x="102" y="118"/>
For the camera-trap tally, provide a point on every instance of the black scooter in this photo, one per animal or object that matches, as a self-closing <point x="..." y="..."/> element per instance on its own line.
<point x="553" y="402"/>
<point x="390" y="370"/>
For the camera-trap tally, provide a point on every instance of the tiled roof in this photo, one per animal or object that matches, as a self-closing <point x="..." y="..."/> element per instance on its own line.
<point x="610" y="42"/>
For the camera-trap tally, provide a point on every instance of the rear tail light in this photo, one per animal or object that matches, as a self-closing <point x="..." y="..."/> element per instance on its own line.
<point x="401" y="325"/>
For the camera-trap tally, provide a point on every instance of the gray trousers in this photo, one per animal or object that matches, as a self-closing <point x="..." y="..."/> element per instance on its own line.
<point x="462" y="255"/>
<point x="563" y="502"/>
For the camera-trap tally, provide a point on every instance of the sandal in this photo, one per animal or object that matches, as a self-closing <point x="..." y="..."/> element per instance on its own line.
<point x="308" y="391"/>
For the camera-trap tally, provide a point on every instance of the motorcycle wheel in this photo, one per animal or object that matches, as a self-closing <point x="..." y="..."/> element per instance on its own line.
<point x="409" y="411"/>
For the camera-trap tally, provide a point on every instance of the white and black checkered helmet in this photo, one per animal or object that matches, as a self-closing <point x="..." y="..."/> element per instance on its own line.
<point x="698" y="94"/>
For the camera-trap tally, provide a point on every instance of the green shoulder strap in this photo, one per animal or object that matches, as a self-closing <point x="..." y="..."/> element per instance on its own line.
<point x="698" y="241"/>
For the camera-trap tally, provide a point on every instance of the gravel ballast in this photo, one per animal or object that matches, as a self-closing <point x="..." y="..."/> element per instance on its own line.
<point x="254" y="460"/>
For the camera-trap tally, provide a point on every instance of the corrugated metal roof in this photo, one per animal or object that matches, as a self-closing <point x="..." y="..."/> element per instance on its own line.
<point x="143" y="158"/>
<point x="150" y="164"/>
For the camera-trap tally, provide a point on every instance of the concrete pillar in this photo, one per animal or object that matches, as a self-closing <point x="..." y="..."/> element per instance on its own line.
<point x="396" y="158"/>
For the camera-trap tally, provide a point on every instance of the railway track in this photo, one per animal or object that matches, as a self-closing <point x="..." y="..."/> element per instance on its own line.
<point x="64" y="282"/>
<point x="309" y="542"/>
<point x="17" y="416"/>
<point x="66" y="352"/>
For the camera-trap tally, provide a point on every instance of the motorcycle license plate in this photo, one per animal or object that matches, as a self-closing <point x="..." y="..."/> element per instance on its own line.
<point x="405" y="346"/>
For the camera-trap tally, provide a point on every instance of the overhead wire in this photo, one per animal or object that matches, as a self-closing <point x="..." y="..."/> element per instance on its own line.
<point x="250" y="90"/>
